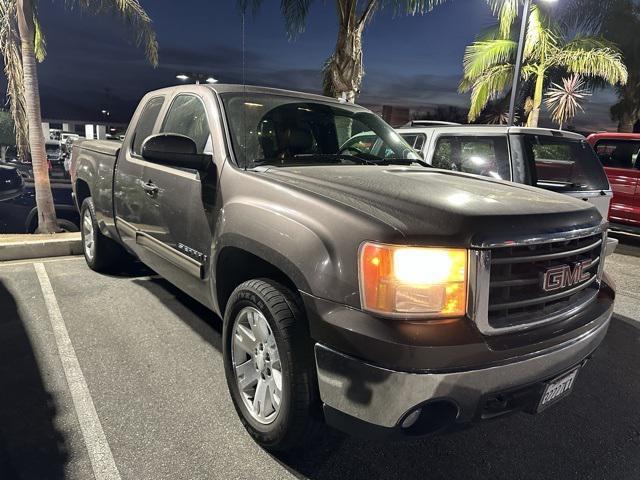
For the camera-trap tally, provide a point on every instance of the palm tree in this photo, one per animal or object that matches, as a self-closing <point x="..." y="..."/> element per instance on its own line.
<point x="563" y="101"/>
<point x="489" y="62"/>
<point x="343" y="71"/>
<point x="22" y="45"/>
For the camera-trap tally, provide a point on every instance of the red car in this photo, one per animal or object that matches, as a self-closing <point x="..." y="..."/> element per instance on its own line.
<point x="620" y="155"/>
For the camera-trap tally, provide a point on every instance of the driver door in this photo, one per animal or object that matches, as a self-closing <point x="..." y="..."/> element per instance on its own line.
<point x="180" y="235"/>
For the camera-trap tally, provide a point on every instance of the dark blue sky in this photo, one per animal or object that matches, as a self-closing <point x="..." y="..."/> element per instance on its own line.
<point x="417" y="61"/>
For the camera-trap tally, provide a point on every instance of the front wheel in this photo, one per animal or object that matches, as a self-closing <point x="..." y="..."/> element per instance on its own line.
<point x="269" y="366"/>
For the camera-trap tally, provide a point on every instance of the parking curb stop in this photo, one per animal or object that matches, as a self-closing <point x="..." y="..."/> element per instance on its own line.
<point x="22" y="247"/>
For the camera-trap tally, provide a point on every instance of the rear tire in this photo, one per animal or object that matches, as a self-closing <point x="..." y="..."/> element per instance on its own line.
<point x="101" y="253"/>
<point x="67" y="225"/>
<point x="290" y="416"/>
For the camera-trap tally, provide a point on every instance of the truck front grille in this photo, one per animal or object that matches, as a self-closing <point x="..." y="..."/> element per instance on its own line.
<point x="518" y="296"/>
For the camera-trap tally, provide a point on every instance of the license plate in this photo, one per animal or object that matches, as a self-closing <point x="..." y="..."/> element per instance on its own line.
<point x="557" y="389"/>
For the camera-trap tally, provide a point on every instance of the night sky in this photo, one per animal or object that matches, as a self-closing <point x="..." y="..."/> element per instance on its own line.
<point x="92" y="63"/>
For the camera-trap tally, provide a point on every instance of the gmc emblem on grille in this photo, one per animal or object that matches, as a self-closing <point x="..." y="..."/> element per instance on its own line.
<point x="557" y="278"/>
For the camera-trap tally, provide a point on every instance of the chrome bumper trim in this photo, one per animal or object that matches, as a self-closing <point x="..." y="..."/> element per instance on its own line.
<point x="381" y="396"/>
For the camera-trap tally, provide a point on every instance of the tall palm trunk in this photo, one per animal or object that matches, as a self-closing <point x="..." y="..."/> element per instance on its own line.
<point x="47" y="222"/>
<point x="344" y="70"/>
<point x="626" y="123"/>
<point x="534" y="116"/>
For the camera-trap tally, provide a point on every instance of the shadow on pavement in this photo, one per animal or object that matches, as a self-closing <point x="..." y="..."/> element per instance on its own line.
<point x="628" y="244"/>
<point x="198" y="317"/>
<point x="31" y="447"/>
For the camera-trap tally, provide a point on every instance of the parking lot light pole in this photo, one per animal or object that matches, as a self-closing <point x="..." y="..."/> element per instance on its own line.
<point x="518" y="68"/>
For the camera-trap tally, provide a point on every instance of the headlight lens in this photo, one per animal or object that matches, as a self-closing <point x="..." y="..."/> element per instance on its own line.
<point x="430" y="282"/>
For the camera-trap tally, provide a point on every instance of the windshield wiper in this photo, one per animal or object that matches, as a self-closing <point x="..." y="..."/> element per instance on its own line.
<point x="400" y="161"/>
<point x="337" y="156"/>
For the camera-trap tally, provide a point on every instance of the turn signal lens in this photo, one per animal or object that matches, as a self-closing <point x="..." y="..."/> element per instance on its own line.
<point x="413" y="280"/>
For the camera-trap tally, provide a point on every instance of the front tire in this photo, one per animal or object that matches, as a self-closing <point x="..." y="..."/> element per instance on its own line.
<point x="101" y="253"/>
<point x="268" y="359"/>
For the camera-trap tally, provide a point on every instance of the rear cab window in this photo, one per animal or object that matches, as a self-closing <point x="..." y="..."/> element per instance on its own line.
<point x="146" y="122"/>
<point x="481" y="155"/>
<point x="415" y="140"/>
<point x="619" y="153"/>
<point x="564" y="164"/>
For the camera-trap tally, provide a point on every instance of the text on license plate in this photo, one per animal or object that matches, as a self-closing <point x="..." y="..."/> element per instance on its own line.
<point x="558" y="388"/>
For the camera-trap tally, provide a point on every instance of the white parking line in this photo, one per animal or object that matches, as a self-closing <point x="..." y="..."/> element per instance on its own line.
<point x="102" y="463"/>
<point x="10" y="263"/>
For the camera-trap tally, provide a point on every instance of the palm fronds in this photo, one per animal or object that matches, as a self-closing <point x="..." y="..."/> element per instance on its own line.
<point x="10" y="50"/>
<point x="546" y="51"/>
<point x="483" y="55"/>
<point x="132" y="13"/>
<point x="587" y="57"/>
<point x="564" y="100"/>
<point x="507" y="12"/>
<point x="495" y="81"/>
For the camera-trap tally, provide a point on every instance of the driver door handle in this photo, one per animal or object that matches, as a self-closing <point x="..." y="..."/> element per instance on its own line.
<point x="150" y="188"/>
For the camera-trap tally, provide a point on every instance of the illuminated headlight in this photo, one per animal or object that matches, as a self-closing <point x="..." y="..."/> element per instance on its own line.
<point x="413" y="281"/>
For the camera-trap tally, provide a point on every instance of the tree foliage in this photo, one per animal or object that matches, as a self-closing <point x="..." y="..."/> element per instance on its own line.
<point x="489" y="62"/>
<point x="343" y="71"/>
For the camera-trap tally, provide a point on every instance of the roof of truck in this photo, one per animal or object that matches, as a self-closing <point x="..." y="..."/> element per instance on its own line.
<point x="239" y="88"/>
<point x="490" y="129"/>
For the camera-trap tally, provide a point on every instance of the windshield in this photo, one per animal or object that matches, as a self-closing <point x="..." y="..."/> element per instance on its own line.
<point x="285" y="131"/>
<point x="565" y="165"/>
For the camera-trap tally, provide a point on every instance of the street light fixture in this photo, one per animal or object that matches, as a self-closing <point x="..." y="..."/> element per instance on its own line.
<point x="521" y="42"/>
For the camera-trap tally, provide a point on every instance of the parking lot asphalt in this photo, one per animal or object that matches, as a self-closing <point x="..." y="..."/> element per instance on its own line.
<point x="121" y="377"/>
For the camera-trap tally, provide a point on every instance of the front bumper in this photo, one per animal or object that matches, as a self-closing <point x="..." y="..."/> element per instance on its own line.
<point x="381" y="397"/>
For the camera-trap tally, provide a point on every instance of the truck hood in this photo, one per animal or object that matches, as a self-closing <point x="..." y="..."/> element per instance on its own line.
<point x="440" y="205"/>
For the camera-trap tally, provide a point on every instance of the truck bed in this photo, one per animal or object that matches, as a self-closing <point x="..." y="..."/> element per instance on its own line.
<point x="105" y="147"/>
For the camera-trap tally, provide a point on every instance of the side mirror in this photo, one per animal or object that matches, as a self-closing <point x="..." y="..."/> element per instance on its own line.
<point x="174" y="151"/>
<point x="11" y="183"/>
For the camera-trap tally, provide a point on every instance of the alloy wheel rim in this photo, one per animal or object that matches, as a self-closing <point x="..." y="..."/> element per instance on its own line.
<point x="256" y="365"/>
<point x="87" y="235"/>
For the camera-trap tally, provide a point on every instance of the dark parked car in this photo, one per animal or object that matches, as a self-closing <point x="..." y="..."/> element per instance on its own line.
<point x="20" y="215"/>
<point x="378" y="294"/>
<point x="11" y="183"/>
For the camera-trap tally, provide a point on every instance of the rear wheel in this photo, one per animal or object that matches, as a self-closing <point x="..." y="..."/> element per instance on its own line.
<point x="101" y="253"/>
<point x="269" y="365"/>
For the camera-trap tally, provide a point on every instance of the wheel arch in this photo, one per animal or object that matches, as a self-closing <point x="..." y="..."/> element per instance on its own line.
<point x="82" y="192"/>
<point x="236" y="264"/>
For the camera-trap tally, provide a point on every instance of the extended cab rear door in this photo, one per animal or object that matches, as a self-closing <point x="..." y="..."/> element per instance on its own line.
<point x="130" y="197"/>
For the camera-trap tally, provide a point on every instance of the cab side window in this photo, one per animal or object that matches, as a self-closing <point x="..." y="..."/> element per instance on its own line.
<point x="188" y="117"/>
<point x="487" y="156"/>
<point x="443" y="156"/>
<point x="619" y="153"/>
<point x="146" y="122"/>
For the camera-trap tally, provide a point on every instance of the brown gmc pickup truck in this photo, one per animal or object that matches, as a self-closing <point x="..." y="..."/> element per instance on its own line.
<point x="379" y="295"/>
